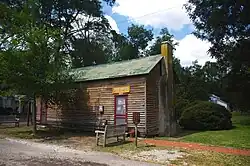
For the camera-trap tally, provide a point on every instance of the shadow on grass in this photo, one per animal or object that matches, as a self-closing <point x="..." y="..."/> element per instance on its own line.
<point x="181" y="133"/>
<point x="127" y="146"/>
<point x="112" y="144"/>
<point x="45" y="134"/>
<point x="59" y="134"/>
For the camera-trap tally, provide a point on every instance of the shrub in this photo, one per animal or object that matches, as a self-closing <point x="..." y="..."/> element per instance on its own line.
<point x="180" y="106"/>
<point x="204" y="115"/>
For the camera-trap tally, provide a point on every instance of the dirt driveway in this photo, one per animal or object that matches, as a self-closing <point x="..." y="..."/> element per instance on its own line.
<point x="15" y="152"/>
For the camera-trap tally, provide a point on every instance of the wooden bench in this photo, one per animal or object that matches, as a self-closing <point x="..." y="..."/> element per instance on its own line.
<point x="111" y="131"/>
<point x="9" y="119"/>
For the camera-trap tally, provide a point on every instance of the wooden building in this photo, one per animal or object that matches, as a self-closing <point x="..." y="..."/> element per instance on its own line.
<point x="113" y="92"/>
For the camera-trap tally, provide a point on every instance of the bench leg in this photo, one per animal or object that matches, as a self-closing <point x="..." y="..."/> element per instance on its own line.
<point x="117" y="138"/>
<point x="124" y="138"/>
<point x="104" y="140"/>
<point x="97" y="139"/>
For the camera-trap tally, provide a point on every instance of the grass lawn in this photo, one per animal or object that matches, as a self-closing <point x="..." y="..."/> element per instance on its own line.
<point x="25" y="132"/>
<point x="191" y="157"/>
<point x="238" y="137"/>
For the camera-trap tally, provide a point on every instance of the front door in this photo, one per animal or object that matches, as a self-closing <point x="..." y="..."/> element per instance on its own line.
<point x="120" y="110"/>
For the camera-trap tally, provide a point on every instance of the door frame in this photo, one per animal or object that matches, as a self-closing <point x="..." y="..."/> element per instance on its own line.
<point x="126" y="103"/>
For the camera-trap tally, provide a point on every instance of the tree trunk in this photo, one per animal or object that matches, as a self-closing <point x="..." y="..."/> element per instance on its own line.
<point x="33" y="109"/>
<point x="28" y="114"/>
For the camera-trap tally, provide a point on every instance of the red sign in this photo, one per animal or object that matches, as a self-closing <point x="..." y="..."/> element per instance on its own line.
<point x="136" y="118"/>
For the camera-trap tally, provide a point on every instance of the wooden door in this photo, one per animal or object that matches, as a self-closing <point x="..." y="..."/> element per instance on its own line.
<point x="121" y="110"/>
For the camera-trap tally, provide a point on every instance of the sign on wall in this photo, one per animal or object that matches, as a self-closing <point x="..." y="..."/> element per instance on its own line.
<point x="136" y="118"/>
<point x="121" y="90"/>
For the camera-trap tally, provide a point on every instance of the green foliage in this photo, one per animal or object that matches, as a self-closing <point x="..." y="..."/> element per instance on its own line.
<point x="238" y="137"/>
<point x="180" y="106"/>
<point x="139" y="36"/>
<point x="87" y="54"/>
<point x="197" y="82"/>
<point x="132" y="46"/>
<point x="77" y="21"/>
<point x="226" y="25"/>
<point x="164" y="36"/>
<point x="31" y="61"/>
<point x="203" y="115"/>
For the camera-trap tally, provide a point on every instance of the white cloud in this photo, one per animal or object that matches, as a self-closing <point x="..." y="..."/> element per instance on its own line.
<point x="190" y="49"/>
<point x="112" y="23"/>
<point x="157" y="13"/>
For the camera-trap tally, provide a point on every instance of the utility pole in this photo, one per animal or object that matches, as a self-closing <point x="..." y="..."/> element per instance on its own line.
<point x="169" y="112"/>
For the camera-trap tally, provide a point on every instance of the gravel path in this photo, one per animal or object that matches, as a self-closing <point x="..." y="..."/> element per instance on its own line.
<point x="26" y="153"/>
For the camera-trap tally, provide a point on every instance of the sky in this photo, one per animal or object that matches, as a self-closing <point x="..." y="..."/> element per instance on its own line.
<point x="158" y="14"/>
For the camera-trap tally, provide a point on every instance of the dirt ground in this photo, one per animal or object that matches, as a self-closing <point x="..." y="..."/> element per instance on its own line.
<point x="15" y="152"/>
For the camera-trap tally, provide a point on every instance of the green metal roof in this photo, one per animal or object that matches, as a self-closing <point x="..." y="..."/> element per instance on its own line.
<point x="115" y="70"/>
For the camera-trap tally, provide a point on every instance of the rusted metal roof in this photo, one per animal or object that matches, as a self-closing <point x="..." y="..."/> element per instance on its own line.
<point x="115" y="70"/>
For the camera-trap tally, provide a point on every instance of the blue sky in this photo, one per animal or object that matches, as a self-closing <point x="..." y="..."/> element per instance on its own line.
<point x="123" y="22"/>
<point x="158" y="14"/>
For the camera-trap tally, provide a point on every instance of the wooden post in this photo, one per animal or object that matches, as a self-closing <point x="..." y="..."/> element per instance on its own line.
<point x="136" y="121"/>
<point x="136" y="137"/>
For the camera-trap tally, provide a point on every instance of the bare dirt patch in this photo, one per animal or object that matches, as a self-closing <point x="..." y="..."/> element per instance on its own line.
<point x="155" y="155"/>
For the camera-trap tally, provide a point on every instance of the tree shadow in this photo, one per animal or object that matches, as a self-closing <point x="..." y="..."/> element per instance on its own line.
<point x="184" y="132"/>
<point x="115" y="143"/>
<point x="72" y="111"/>
<point x="64" y="134"/>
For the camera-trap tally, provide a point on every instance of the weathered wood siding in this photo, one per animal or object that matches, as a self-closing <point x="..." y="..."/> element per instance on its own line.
<point x="152" y="99"/>
<point x="91" y="94"/>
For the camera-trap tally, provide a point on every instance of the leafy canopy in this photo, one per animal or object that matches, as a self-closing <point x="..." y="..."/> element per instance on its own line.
<point x="225" y="23"/>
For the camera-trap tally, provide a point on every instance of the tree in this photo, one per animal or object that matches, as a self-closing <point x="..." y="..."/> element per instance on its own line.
<point x="164" y="36"/>
<point x="139" y="36"/>
<point x="131" y="46"/>
<point x="88" y="53"/>
<point x="225" y="24"/>
<point x="94" y="39"/>
<point x="214" y="79"/>
<point x="31" y="62"/>
<point x="76" y="19"/>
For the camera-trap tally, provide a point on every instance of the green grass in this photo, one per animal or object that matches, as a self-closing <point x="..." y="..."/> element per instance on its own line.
<point x="207" y="158"/>
<point x="25" y="132"/>
<point x="238" y="137"/>
<point x="192" y="157"/>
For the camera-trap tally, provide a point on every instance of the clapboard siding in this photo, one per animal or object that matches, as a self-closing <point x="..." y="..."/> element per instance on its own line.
<point x="152" y="100"/>
<point x="95" y="93"/>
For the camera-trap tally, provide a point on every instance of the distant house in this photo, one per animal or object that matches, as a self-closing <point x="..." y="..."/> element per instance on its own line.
<point x="113" y="92"/>
<point x="216" y="99"/>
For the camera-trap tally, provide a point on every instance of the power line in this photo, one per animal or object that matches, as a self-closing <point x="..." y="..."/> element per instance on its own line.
<point x="131" y="19"/>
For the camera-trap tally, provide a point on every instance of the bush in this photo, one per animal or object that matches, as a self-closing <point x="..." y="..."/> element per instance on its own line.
<point x="204" y="115"/>
<point x="180" y="106"/>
